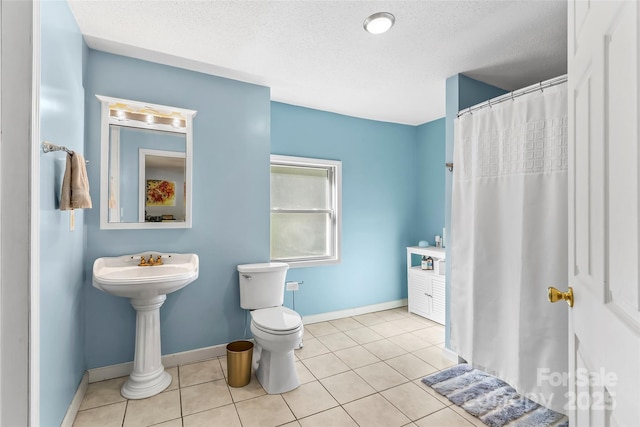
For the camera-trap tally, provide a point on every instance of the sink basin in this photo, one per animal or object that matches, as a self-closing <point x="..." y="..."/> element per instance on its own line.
<point x="147" y="287"/>
<point x="121" y="276"/>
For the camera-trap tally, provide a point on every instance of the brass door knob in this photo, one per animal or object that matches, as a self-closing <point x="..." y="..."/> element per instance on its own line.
<point x="555" y="295"/>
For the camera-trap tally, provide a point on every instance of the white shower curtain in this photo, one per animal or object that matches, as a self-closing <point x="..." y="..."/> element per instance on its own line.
<point x="509" y="242"/>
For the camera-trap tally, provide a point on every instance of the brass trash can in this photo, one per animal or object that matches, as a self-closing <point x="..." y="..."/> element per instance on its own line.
<point x="239" y="355"/>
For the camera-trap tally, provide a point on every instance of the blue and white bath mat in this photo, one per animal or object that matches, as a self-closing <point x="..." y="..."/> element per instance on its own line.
<point x="490" y="399"/>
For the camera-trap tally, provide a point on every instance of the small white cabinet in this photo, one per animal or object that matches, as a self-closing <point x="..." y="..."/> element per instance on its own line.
<point x="426" y="287"/>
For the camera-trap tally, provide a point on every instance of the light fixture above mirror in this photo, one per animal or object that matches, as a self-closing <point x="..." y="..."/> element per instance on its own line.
<point x="124" y="111"/>
<point x="146" y="165"/>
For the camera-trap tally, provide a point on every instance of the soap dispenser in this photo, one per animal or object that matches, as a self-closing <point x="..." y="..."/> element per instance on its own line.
<point x="429" y="263"/>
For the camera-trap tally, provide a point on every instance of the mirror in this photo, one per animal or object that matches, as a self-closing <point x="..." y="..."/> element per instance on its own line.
<point x="146" y="160"/>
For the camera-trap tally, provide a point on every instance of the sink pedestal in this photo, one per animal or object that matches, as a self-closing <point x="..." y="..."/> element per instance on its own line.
<point x="148" y="377"/>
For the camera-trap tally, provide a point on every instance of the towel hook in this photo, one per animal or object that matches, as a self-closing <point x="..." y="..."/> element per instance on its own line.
<point x="449" y="166"/>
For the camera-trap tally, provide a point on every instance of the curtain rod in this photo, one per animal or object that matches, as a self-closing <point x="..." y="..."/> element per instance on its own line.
<point x="514" y="94"/>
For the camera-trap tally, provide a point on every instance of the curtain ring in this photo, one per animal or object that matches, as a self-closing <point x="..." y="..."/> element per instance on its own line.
<point x="489" y="102"/>
<point x="541" y="90"/>
<point x="512" y="98"/>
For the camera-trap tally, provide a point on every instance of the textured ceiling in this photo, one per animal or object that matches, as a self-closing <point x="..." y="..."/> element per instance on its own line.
<point x="316" y="53"/>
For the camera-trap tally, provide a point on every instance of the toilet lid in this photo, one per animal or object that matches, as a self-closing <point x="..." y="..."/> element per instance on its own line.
<point x="276" y="319"/>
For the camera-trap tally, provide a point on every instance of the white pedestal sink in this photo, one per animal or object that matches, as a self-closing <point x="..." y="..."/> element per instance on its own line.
<point x="147" y="287"/>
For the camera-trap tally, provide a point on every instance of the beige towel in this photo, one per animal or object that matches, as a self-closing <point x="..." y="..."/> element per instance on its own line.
<point x="75" y="185"/>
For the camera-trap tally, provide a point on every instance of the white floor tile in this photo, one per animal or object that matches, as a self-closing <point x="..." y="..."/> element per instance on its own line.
<point x="435" y="357"/>
<point x="321" y="328"/>
<point x="325" y="365"/>
<point x="443" y="418"/>
<point x="103" y="393"/>
<point x="336" y="417"/>
<point x="347" y="387"/>
<point x="409" y="341"/>
<point x="357" y="357"/>
<point x="381" y="376"/>
<point x="411" y="366"/>
<point x="107" y="416"/>
<point x="251" y="390"/>
<point x="363" y="335"/>
<point x="312" y="347"/>
<point x="362" y="370"/>
<point x="385" y="349"/>
<point x="412" y="401"/>
<point x="335" y="342"/>
<point x="304" y="374"/>
<point x="201" y="397"/>
<point x="346" y="323"/>
<point x="200" y="372"/>
<point x="264" y="411"/>
<point x="224" y="416"/>
<point x="369" y="319"/>
<point x="387" y="329"/>
<point x="309" y="399"/>
<point x="153" y="410"/>
<point x="376" y="411"/>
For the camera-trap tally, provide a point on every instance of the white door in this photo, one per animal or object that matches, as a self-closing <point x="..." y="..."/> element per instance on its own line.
<point x="604" y="192"/>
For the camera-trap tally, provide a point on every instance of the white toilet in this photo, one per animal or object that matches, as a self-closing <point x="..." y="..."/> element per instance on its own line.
<point x="277" y="330"/>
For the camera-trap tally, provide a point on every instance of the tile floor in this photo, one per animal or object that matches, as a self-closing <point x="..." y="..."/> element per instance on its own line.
<point x="356" y="371"/>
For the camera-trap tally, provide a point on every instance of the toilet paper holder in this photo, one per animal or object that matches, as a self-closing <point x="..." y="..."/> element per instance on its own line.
<point x="293" y="285"/>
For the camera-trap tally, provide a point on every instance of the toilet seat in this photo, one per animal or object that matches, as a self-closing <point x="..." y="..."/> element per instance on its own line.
<point x="276" y="320"/>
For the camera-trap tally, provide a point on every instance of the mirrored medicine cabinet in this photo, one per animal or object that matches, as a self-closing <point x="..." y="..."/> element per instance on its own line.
<point x="146" y="158"/>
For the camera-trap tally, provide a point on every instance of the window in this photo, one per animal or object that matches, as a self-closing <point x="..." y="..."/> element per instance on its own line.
<point x="305" y="210"/>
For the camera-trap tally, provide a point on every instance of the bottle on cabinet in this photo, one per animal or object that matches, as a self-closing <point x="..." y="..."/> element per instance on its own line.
<point x="427" y="263"/>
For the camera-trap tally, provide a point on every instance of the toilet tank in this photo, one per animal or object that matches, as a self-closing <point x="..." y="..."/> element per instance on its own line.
<point x="262" y="285"/>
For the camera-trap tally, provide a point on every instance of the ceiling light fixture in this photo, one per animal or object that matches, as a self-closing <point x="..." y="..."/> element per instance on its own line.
<point x="379" y="23"/>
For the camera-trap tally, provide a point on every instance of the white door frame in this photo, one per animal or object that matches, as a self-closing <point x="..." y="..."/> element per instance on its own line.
<point x="19" y="212"/>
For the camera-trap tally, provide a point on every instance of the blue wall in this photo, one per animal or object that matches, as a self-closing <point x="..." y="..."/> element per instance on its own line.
<point x="461" y="92"/>
<point x="62" y="333"/>
<point x="380" y="192"/>
<point x="230" y="206"/>
<point x="431" y="178"/>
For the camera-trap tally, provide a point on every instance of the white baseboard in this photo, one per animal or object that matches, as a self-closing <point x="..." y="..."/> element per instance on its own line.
<point x="323" y="317"/>
<point x="73" y="408"/>
<point x="168" y="360"/>
<point x="450" y="354"/>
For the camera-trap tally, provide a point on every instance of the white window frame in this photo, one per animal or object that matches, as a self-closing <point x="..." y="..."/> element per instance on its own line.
<point x="335" y="210"/>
